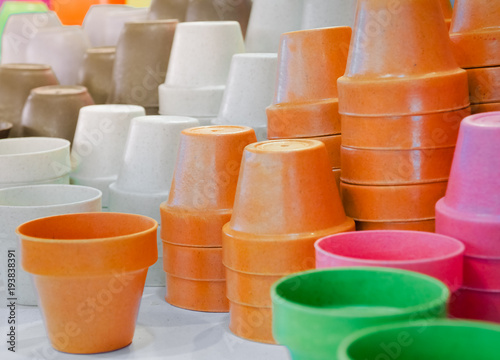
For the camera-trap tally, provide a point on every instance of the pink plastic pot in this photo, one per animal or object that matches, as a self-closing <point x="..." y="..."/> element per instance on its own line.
<point x="431" y="254"/>
<point x="470" y="211"/>
<point x="475" y="304"/>
<point x="482" y="273"/>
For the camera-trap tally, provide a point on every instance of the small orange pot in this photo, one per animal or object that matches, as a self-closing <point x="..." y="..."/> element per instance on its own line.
<point x="197" y="295"/>
<point x="392" y="203"/>
<point x="474" y="33"/>
<point x="250" y="289"/>
<point x="401" y="56"/>
<point x="395" y="167"/>
<point x="424" y="225"/>
<point x="306" y="98"/>
<point x="403" y="132"/>
<point x="481" y="108"/>
<point x="89" y="271"/>
<point x="252" y="323"/>
<point x="484" y="84"/>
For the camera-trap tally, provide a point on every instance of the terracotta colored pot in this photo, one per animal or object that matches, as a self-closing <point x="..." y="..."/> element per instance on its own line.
<point x="34" y="161"/>
<point x="474" y="31"/>
<point x="476" y="304"/>
<point x="52" y="111"/>
<point x="482" y="108"/>
<point x="5" y="128"/>
<point x="169" y="9"/>
<point x="400" y="203"/>
<point x="16" y="83"/>
<point x="220" y="10"/>
<point x="251" y="323"/>
<point x="105" y="261"/>
<point x="97" y="72"/>
<point x="482" y="273"/>
<point x="305" y="102"/>
<point x="328" y="13"/>
<point x="439" y="256"/>
<point x="470" y="211"/>
<point x="389" y="57"/>
<point x="395" y="167"/>
<point x="423" y="225"/>
<point x="136" y="77"/>
<point x="403" y="132"/>
<point x="197" y="295"/>
<point x="484" y="84"/>
<point x="204" y="185"/>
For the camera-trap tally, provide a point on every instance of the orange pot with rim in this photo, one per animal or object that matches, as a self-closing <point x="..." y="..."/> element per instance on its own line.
<point x="89" y="271"/>
<point x="401" y="56"/>
<point x="306" y="97"/>
<point x="474" y="33"/>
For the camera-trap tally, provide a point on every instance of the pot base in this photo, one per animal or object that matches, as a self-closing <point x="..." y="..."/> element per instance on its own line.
<point x="251" y="323"/>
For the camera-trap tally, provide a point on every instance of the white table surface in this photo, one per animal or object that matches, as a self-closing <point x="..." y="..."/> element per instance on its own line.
<point x="162" y="332"/>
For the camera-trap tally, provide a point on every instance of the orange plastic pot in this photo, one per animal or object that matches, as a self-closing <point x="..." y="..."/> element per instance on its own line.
<point x="306" y="97"/>
<point x="250" y="289"/>
<point x="484" y="85"/>
<point x="474" y="33"/>
<point x="395" y="167"/>
<point x="197" y="295"/>
<point x="424" y="225"/>
<point x="73" y="12"/>
<point x="202" y="193"/>
<point x="482" y="108"/>
<point x="89" y="271"/>
<point x="401" y="62"/>
<point x="251" y="323"/>
<point x="403" y="132"/>
<point x="392" y="203"/>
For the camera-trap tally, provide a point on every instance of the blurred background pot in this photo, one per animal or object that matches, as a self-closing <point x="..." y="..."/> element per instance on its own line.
<point x="97" y="72"/>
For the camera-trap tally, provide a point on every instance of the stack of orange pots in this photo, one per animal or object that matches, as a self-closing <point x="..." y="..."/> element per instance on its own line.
<point x="474" y="33"/>
<point x="199" y="204"/>
<point x="401" y="99"/>
<point x="306" y="98"/>
<point x="285" y="200"/>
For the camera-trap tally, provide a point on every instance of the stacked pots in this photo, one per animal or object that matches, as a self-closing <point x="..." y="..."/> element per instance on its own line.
<point x="306" y="100"/>
<point x="470" y="212"/>
<point x="200" y="203"/>
<point x="286" y="199"/>
<point x="199" y="68"/>
<point x="474" y="31"/>
<point x="401" y="110"/>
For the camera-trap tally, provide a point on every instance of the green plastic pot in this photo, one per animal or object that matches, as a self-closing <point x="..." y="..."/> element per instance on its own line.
<point x="423" y="340"/>
<point x="315" y="310"/>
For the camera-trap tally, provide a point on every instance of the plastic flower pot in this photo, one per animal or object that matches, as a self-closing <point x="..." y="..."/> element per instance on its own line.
<point x="169" y="9"/>
<point x="99" y="143"/>
<point x="474" y="31"/>
<point x="249" y="90"/>
<point x="484" y="84"/>
<point x="328" y="13"/>
<point x="220" y="10"/>
<point x="389" y="57"/>
<point x="402" y="132"/>
<point x="61" y="47"/>
<point x="21" y="204"/>
<point x="435" y="255"/>
<point x="16" y="83"/>
<point x="251" y="323"/>
<point x="34" y="161"/>
<point x="250" y="289"/>
<point x="482" y="108"/>
<point x="136" y="77"/>
<point x="398" y="203"/>
<point x="423" y="225"/>
<point x="481" y="273"/>
<point x="199" y="68"/>
<point x="195" y="278"/>
<point x="146" y="172"/>
<point x="470" y="211"/>
<point x="346" y="300"/>
<point x="5" y="128"/>
<point x="19" y="30"/>
<point x="395" y="167"/>
<point x="441" y="339"/>
<point x="204" y="185"/>
<point x="306" y="99"/>
<point x="476" y="304"/>
<point x="81" y="261"/>
<point x="268" y="20"/>
<point x="52" y="111"/>
<point x="97" y="72"/>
